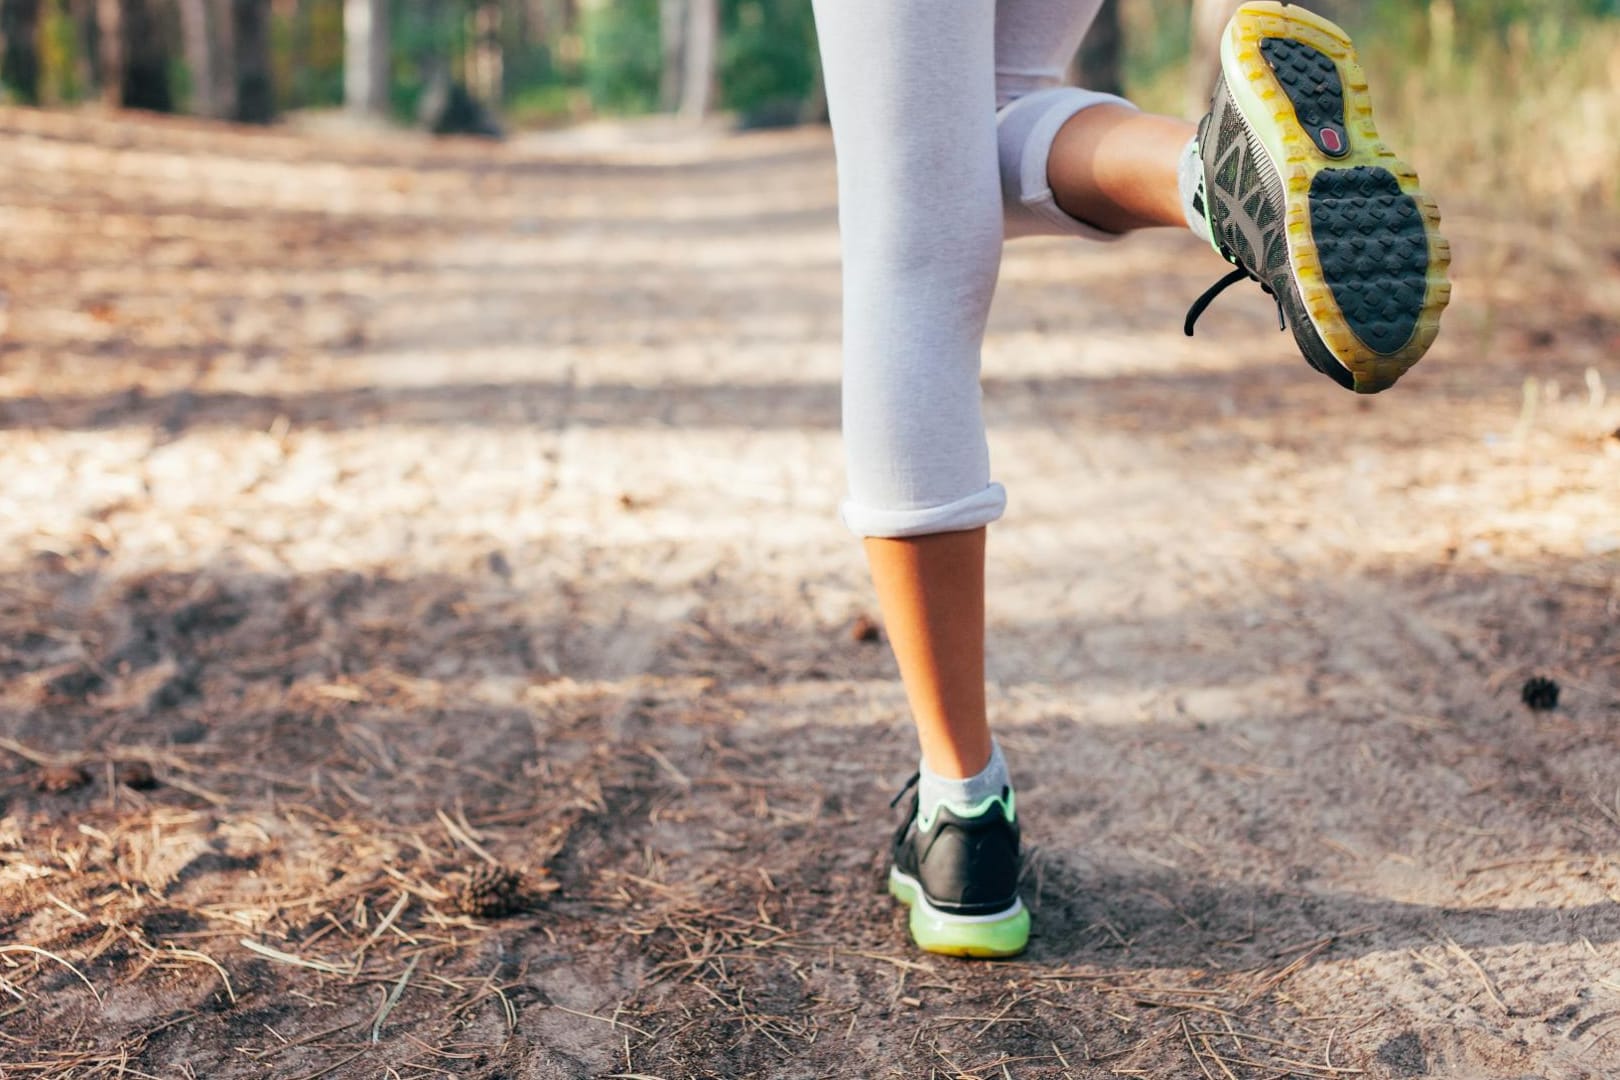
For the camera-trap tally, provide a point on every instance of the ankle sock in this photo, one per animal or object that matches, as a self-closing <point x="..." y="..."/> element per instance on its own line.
<point x="933" y="789"/>
<point x="1190" y="177"/>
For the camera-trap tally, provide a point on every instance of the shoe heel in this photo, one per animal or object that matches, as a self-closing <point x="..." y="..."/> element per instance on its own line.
<point x="939" y="932"/>
<point x="1002" y="938"/>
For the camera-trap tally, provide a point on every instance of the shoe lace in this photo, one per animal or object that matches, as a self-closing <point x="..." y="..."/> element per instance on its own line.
<point x="894" y="802"/>
<point x="1202" y="303"/>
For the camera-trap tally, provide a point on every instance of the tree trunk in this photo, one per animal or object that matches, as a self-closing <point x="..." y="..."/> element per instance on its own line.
<point x="197" y="32"/>
<point x="484" y="77"/>
<point x="222" y="20"/>
<point x="517" y="58"/>
<point x="87" y="51"/>
<point x="255" y="90"/>
<point x="1100" y="65"/>
<point x="697" y="76"/>
<point x="19" y="64"/>
<point x="365" y="57"/>
<point x="672" y="41"/>
<point x="145" y="55"/>
<point x="110" y="38"/>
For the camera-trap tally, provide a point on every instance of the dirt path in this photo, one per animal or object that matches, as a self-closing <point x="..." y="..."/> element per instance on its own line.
<point x="370" y="508"/>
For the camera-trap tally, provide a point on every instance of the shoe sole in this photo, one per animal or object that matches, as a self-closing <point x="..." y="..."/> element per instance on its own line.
<point x="995" y="936"/>
<point x="1369" y="264"/>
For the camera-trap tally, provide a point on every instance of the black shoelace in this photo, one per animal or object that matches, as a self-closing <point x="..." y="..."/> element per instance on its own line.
<point x="1202" y="303"/>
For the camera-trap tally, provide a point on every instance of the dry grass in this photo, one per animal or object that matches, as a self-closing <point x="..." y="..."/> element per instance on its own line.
<point x="1511" y="122"/>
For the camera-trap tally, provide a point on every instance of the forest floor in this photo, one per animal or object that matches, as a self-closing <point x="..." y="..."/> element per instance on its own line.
<point x="374" y="509"/>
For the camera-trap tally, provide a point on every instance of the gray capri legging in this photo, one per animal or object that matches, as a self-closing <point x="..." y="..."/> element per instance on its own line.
<point x="943" y="115"/>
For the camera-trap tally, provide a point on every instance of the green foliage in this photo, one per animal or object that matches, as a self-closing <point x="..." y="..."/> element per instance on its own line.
<point x="543" y="105"/>
<point x="1508" y="101"/>
<point x="1157" y="35"/>
<point x="1466" y="27"/>
<point x="306" y="54"/>
<point x="180" y="82"/>
<point x="622" y="56"/>
<point x="59" y="54"/>
<point x="767" y="55"/>
<point x="1506" y="93"/>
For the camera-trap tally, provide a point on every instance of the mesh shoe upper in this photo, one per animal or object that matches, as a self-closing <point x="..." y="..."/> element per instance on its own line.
<point x="1245" y="201"/>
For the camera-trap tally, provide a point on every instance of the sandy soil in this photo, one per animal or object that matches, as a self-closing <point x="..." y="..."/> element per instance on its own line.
<point x="377" y="509"/>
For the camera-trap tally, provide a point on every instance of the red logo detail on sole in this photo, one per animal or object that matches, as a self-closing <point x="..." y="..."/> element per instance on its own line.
<point x="1332" y="142"/>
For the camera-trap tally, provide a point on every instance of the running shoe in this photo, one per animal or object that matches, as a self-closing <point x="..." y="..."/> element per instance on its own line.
<point x="1302" y="196"/>
<point x="958" y="872"/>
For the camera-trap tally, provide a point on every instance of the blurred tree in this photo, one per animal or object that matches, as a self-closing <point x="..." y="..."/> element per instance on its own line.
<point x="768" y="62"/>
<point x="307" y="48"/>
<point x="699" y="54"/>
<point x="134" y="55"/>
<point x="672" y="42"/>
<point x="250" y="53"/>
<point x="620" y="60"/>
<point x="365" y="57"/>
<point x="1100" y="64"/>
<point x="546" y="60"/>
<point x="436" y="45"/>
<point x="199" y="34"/>
<point x="19" y="63"/>
<point x="757" y="57"/>
<point x="85" y="45"/>
<point x="110" y="51"/>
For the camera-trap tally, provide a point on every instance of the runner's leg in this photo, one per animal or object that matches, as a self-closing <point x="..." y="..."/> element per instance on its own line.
<point x="910" y="87"/>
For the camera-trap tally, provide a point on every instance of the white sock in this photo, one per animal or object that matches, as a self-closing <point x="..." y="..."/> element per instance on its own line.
<point x="1190" y="174"/>
<point x="933" y="789"/>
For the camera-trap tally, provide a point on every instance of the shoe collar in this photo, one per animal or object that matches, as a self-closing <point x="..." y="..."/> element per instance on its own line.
<point x="1008" y="801"/>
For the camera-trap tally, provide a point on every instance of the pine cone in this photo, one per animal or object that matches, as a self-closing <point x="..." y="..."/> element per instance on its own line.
<point x="491" y="890"/>
<point x="1540" y="693"/>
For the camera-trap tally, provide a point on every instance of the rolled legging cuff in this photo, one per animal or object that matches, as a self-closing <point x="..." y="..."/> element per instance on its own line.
<point x="1026" y="129"/>
<point x="972" y="512"/>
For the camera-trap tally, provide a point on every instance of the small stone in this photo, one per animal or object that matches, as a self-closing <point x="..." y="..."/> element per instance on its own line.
<point x="1540" y="693"/>
<point x="57" y="779"/>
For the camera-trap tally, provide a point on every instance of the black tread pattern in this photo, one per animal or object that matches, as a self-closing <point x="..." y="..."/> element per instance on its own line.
<point x="1374" y="247"/>
<point x="1311" y="80"/>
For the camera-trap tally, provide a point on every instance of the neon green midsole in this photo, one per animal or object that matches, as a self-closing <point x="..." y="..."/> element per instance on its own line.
<point x="957" y="935"/>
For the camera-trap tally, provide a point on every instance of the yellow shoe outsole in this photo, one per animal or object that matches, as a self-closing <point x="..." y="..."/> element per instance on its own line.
<point x="1259" y="94"/>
